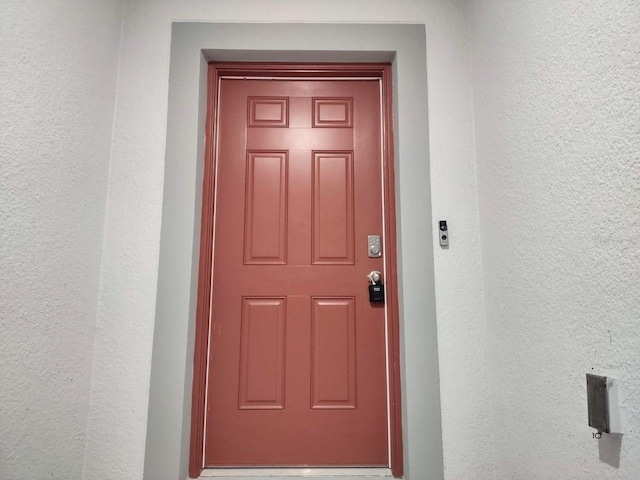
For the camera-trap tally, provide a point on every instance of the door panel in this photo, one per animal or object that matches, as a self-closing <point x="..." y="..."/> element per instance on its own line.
<point x="265" y="231"/>
<point x="268" y="111"/>
<point x="297" y="354"/>
<point x="332" y="194"/>
<point x="262" y="353"/>
<point x="333" y="112"/>
<point x="333" y="343"/>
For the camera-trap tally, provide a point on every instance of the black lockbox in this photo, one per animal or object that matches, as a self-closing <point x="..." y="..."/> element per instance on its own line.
<point x="376" y="293"/>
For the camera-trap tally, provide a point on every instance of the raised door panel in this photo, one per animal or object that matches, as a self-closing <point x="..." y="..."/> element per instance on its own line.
<point x="333" y="112"/>
<point x="262" y="354"/>
<point x="266" y="208"/>
<point x="333" y="204"/>
<point x="268" y="112"/>
<point x="333" y="353"/>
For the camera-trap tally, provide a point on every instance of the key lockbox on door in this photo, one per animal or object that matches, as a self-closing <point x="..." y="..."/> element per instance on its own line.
<point x="376" y="288"/>
<point x="376" y="293"/>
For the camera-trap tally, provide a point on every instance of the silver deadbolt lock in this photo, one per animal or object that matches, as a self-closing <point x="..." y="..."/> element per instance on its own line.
<point x="374" y="248"/>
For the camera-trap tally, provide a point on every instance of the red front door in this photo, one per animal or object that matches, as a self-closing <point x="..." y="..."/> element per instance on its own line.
<point x="297" y="371"/>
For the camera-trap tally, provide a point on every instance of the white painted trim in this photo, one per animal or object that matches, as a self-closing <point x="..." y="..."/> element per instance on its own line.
<point x="296" y="473"/>
<point x="384" y="160"/>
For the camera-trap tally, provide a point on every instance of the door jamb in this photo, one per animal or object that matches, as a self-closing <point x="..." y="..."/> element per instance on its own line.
<point x="215" y="72"/>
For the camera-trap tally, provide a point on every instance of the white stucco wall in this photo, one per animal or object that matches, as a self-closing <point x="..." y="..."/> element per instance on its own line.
<point x="557" y="110"/>
<point x="117" y="421"/>
<point x="58" y="64"/>
<point x="557" y="131"/>
<point x="467" y="433"/>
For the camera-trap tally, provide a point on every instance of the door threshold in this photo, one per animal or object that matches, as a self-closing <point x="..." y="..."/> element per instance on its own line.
<point x="293" y="473"/>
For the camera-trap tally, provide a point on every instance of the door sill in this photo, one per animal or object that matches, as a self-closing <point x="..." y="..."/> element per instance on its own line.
<point x="293" y="473"/>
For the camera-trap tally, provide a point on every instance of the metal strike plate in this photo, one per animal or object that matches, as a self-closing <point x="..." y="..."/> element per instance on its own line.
<point x="374" y="246"/>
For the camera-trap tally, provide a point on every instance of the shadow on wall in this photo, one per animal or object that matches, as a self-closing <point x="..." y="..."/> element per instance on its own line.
<point x="609" y="448"/>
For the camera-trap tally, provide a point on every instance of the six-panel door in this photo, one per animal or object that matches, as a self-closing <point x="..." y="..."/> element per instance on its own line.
<point x="297" y="360"/>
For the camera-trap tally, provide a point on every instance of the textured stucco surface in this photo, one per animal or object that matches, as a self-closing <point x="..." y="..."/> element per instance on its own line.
<point x="544" y="92"/>
<point x="117" y="422"/>
<point x="557" y="112"/>
<point x="467" y="433"/>
<point x="58" y="66"/>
